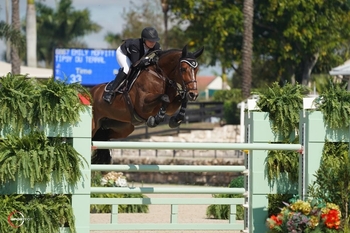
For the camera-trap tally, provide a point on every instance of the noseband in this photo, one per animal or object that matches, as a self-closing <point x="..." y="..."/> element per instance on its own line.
<point x="193" y="64"/>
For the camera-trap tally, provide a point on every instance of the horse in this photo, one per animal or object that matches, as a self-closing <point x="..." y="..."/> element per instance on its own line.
<point x="160" y="89"/>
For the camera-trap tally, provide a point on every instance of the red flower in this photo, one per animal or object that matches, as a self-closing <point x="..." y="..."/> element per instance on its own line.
<point x="276" y="219"/>
<point x="331" y="219"/>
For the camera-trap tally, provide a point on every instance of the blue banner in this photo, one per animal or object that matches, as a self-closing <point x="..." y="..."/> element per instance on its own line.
<point x="88" y="67"/>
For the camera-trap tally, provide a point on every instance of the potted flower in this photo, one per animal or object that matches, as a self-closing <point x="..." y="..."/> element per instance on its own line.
<point x="310" y="216"/>
<point x="114" y="179"/>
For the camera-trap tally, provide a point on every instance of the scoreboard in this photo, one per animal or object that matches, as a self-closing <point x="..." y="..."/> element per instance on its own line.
<point x="88" y="67"/>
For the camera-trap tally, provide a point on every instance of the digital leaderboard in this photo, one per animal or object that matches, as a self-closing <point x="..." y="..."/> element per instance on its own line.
<point x="88" y="67"/>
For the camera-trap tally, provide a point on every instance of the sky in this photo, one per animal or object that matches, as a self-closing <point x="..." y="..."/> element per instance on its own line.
<point x="107" y="13"/>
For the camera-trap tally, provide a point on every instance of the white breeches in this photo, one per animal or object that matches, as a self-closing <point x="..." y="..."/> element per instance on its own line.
<point x="123" y="61"/>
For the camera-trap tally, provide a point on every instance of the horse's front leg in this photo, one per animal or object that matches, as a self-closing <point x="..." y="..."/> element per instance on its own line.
<point x="175" y="121"/>
<point x="153" y="121"/>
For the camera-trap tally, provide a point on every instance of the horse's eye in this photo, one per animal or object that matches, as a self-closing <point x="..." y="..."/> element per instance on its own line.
<point x="183" y="69"/>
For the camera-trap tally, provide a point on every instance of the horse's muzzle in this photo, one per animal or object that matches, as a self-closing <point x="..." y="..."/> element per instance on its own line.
<point x="191" y="96"/>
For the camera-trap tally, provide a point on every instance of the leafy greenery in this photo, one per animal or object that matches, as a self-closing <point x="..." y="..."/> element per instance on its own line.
<point x="60" y="103"/>
<point x="50" y="212"/>
<point x="17" y="107"/>
<point x="276" y="202"/>
<point x="43" y="213"/>
<point x="283" y="105"/>
<point x="293" y="37"/>
<point x="35" y="157"/>
<point x="231" y="99"/>
<point x="9" y="33"/>
<point x="282" y="161"/>
<point x="333" y="176"/>
<point x="27" y="102"/>
<point x="26" y="106"/>
<point x="223" y="211"/>
<point x="8" y="204"/>
<point x="334" y="103"/>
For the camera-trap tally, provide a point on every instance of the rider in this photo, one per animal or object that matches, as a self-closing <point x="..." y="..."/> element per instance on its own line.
<point x="131" y="51"/>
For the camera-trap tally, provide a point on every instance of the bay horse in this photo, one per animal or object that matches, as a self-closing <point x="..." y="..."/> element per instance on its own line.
<point x="162" y="88"/>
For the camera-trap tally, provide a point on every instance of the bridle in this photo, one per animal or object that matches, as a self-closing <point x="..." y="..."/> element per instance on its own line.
<point x="182" y="88"/>
<point x="193" y="64"/>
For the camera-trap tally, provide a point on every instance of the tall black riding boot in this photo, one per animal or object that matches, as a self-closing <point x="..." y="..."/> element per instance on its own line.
<point x="107" y="96"/>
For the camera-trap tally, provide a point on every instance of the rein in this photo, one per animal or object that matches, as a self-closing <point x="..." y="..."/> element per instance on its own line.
<point x="168" y="81"/>
<point x="181" y="88"/>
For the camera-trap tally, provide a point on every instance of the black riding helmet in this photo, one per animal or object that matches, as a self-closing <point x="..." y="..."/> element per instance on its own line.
<point x="150" y="34"/>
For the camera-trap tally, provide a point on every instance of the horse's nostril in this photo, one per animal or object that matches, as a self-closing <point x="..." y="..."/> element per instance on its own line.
<point x="192" y="95"/>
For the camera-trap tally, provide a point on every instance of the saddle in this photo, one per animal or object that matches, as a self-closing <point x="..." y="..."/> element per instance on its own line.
<point x="134" y="72"/>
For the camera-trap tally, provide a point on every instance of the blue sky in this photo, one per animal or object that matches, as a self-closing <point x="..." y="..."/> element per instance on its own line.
<point x="107" y="13"/>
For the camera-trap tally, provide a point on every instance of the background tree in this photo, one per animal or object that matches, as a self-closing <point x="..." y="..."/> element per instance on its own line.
<point x="216" y="25"/>
<point x="290" y="37"/>
<point x="139" y="17"/>
<point x="8" y="43"/>
<point x="247" y="51"/>
<point x="31" y="34"/>
<point x="7" y="32"/>
<point x="15" y="60"/>
<point x="165" y="9"/>
<point x="63" y="27"/>
<point x="297" y="34"/>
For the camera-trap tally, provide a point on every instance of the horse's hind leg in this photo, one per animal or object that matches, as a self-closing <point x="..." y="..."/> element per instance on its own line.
<point x="101" y="156"/>
<point x="175" y="121"/>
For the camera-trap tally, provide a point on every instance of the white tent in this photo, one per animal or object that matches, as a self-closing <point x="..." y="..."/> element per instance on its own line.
<point x="341" y="71"/>
<point x="33" y="72"/>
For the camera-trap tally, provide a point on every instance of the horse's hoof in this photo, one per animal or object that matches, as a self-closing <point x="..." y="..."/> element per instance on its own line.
<point x="173" y="123"/>
<point x="151" y="122"/>
<point x="165" y="99"/>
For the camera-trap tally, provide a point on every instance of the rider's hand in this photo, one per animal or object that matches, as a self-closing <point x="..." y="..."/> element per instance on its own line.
<point x="146" y="61"/>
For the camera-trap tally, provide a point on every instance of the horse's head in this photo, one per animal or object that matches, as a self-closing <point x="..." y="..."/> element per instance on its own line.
<point x="188" y="70"/>
<point x="181" y="66"/>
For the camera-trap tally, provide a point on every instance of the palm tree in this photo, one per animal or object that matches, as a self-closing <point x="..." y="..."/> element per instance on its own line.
<point x="31" y="33"/>
<point x="247" y="50"/>
<point x="15" y="60"/>
<point x="7" y="32"/>
<point x="8" y="43"/>
<point x="60" y="28"/>
<point x="165" y="9"/>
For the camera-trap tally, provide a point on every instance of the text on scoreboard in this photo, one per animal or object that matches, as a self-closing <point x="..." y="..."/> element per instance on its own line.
<point x="87" y="66"/>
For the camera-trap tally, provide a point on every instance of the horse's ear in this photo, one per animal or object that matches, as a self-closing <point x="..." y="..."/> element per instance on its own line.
<point x="184" y="51"/>
<point x="198" y="52"/>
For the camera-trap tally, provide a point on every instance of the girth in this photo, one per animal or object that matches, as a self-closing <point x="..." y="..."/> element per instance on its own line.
<point x="136" y="119"/>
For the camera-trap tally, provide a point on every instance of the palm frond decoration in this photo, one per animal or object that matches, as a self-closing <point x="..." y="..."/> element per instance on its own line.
<point x="39" y="159"/>
<point x="283" y="105"/>
<point x="17" y="97"/>
<point x="59" y="102"/>
<point x="9" y="204"/>
<point x="28" y="103"/>
<point x="50" y="213"/>
<point x="334" y="103"/>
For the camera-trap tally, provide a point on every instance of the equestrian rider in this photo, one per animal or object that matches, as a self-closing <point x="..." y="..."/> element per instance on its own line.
<point x="130" y="52"/>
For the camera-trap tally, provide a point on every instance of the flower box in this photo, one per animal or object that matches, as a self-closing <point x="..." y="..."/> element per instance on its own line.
<point x="80" y="129"/>
<point x="306" y="216"/>
<point x="22" y="186"/>
<point x="64" y="230"/>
